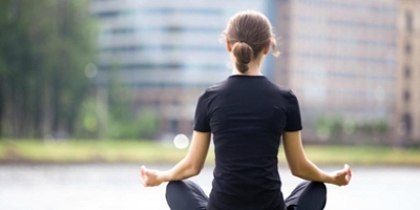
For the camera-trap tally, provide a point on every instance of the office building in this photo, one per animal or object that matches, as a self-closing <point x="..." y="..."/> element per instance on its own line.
<point x="407" y="118"/>
<point x="339" y="57"/>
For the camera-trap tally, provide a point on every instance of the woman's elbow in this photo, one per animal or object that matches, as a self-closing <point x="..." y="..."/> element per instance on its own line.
<point x="296" y="172"/>
<point x="196" y="170"/>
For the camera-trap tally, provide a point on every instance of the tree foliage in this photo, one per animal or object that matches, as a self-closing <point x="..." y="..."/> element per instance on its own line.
<point x="44" y="48"/>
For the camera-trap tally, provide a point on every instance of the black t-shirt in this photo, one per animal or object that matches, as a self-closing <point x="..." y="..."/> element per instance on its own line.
<point x="246" y="115"/>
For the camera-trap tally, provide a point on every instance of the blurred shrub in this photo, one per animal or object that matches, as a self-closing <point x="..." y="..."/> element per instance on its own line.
<point x="125" y="120"/>
<point x="148" y="123"/>
<point x="382" y="126"/>
<point x="144" y="125"/>
<point x="119" y="124"/>
<point x="336" y="129"/>
<point x="328" y="127"/>
<point x="87" y="125"/>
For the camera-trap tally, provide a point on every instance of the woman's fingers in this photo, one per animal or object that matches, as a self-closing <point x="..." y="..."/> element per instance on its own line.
<point x="346" y="167"/>
<point x="143" y="176"/>
<point x="142" y="181"/>
<point x="342" y="172"/>
<point x="348" y="174"/>
<point x="149" y="178"/>
<point x="343" y="176"/>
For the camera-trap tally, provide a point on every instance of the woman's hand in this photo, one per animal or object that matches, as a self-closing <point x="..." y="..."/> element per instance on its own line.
<point x="342" y="177"/>
<point x="150" y="178"/>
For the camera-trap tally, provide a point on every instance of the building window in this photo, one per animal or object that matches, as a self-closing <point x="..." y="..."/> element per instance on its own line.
<point x="407" y="123"/>
<point x="157" y="105"/>
<point x="407" y="48"/>
<point x="407" y="72"/>
<point x="409" y="21"/>
<point x="174" y="125"/>
<point x="407" y="96"/>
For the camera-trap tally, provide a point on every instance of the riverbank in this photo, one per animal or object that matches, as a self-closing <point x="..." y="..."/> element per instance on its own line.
<point x="148" y="152"/>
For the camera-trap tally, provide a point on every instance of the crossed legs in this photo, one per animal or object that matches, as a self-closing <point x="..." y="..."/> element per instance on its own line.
<point x="307" y="196"/>
<point x="186" y="195"/>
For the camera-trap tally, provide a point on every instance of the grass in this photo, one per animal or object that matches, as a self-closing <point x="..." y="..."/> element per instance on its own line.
<point x="148" y="152"/>
<point x="363" y="155"/>
<point x="86" y="151"/>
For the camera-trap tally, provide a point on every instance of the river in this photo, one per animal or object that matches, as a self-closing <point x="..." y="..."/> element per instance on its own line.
<point x="104" y="186"/>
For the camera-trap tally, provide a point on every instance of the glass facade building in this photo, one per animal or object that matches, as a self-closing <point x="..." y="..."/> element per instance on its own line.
<point x="167" y="51"/>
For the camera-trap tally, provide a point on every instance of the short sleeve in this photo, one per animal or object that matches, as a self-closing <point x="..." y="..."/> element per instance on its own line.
<point x="201" y="119"/>
<point x="294" y="122"/>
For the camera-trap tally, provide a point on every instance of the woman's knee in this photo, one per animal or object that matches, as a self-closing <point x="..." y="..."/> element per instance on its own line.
<point x="173" y="191"/>
<point x="174" y="186"/>
<point x="318" y="186"/>
<point x="311" y="185"/>
<point x="185" y="195"/>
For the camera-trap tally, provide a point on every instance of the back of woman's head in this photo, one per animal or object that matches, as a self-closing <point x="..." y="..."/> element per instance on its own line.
<point x="249" y="33"/>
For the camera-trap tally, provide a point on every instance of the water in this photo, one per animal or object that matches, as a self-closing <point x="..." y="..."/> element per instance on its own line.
<point x="103" y="187"/>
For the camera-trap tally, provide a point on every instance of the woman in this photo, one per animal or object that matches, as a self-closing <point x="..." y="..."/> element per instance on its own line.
<point x="247" y="115"/>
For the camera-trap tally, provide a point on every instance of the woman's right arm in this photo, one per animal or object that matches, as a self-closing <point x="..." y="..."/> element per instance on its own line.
<point x="302" y="167"/>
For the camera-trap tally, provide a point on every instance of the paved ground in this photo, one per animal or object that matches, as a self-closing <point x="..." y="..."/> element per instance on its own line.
<point x="116" y="187"/>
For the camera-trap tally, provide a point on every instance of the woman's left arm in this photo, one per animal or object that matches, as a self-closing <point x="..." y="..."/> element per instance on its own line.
<point x="190" y="166"/>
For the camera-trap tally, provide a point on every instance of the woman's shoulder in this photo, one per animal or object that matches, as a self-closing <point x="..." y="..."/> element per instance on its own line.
<point x="215" y="87"/>
<point x="282" y="89"/>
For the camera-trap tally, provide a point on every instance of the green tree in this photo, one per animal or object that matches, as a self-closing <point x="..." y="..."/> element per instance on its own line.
<point x="44" y="48"/>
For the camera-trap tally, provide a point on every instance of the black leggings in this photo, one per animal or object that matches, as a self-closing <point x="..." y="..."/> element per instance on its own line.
<point x="186" y="195"/>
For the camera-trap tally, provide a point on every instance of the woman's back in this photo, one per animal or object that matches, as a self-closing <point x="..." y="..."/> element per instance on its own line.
<point x="247" y="115"/>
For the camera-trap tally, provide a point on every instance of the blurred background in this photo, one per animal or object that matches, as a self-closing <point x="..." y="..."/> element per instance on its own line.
<point x="117" y="81"/>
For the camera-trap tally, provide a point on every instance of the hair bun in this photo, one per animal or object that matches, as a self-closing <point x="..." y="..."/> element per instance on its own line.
<point x="243" y="54"/>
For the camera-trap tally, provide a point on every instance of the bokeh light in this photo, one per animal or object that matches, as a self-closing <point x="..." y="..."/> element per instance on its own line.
<point x="181" y="141"/>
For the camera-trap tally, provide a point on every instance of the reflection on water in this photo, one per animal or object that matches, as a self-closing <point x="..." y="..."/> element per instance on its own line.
<point x="116" y="187"/>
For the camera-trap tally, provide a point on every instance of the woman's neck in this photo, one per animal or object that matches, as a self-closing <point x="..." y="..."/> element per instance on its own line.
<point x="253" y="68"/>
